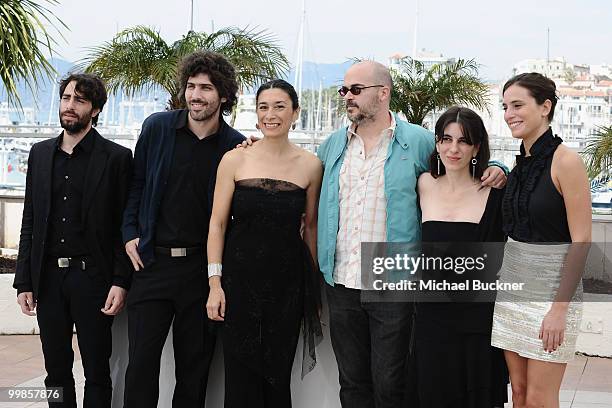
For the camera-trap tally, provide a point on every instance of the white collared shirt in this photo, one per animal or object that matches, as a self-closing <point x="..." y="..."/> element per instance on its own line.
<point x="363" y="204"/>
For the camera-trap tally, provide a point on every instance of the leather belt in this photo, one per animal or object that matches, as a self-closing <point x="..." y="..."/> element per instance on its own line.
<point x="179" y="252"/>
<point x="83" y="262"/>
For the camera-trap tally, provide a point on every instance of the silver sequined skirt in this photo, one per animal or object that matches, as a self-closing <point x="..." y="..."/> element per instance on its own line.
<point x="518" y="315"/>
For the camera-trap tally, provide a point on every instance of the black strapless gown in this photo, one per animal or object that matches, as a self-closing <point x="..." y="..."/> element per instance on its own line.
<point x="270" y="283"/>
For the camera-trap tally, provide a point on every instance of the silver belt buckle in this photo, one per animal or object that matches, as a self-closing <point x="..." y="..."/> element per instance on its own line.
<point x="175" y="252"/>
<point x="63" y="262"/>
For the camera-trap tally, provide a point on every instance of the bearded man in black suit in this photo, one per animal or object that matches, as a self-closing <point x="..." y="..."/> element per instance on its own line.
<point x="71" y="266"/>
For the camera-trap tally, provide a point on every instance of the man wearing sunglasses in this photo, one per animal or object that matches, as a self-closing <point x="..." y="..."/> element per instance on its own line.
<point x="368" y="194"/>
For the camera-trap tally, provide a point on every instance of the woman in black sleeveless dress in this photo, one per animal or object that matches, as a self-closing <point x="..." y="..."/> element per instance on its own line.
<point x="269" y="281"/>
<point x="547" y="216"/>
<point x="452" y="362"/>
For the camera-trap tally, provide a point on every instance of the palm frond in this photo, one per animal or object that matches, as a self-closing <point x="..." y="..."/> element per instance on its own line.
<point x="138" y="58"/>
<point x="255" y="53"/>
<point x="598" y="151"/>
<point x="419" y="90"/>
<point x="24" y="43"/>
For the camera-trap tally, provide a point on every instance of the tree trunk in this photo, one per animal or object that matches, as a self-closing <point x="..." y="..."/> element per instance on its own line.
<point x="174" y="103"/>
<point x="233" y="116"/>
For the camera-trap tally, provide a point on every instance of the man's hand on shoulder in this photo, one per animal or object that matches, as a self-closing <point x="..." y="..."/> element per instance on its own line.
<point x="248" y="142"/>
<point x="114" y="301"/>
<point x="494" y="176"/>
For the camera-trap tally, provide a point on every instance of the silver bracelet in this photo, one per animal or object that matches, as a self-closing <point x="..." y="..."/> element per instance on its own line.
<point x="214" y="269"/>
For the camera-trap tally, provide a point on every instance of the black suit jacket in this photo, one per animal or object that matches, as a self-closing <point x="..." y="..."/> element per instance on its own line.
<point x="106" y="186"/>
<point x="152" y="161"/>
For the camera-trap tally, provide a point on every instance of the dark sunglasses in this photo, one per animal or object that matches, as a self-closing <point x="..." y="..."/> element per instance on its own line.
<point x="355" y="89"/>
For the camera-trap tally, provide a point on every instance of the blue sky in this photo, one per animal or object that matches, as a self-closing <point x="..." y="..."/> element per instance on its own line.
<point x="497" y="34"/>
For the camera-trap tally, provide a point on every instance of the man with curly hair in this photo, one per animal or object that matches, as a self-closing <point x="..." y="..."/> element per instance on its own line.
<point x="165" y="227"/>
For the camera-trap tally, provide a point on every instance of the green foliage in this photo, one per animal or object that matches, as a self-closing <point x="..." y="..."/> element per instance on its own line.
<point x="569" y="75"/>
<point x="24" y="40"/>
<point x="598" y="151"/>
<point x="138" y="58"/>
<point x="419" y="91"/>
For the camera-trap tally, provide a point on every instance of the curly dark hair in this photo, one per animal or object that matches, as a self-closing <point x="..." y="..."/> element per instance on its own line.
<point x="220" y="72"/>
<point x="91" y="87"/>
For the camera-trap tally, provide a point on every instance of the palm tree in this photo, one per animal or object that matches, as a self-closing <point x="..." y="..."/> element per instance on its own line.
<point x="138" y="58"/>
<point x="419" y="91"/>
<point x="24" y="40"/>
<point x="598" y="151"/>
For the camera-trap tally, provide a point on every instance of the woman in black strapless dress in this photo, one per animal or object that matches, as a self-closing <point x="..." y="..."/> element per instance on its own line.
<point x="269" y="285"/>
<point x="452" y="362"/>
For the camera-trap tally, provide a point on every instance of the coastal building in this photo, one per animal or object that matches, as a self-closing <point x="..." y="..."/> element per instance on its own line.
<point x="553" y="68"/>
<point x="10" y="115"/>
<point x="585" y="96"/>
<point x="427" y="58"/>
<point x="585" y="100"/>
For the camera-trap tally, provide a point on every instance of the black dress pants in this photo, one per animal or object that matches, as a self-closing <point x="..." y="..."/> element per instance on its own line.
<point x="172" y="291"/>
<point x="371" y="342"/>
<point x="71" y="296"/>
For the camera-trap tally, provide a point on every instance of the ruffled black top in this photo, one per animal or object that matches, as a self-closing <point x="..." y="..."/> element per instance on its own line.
<point x="533" y="209"/>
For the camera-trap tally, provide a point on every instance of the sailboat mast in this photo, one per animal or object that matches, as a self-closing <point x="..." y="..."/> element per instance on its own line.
<point x="416" y="26"/>
<point x="52" y="98"/>
<point x="300" y="53"/>
<point x="191" y="18"/>
<point x="328" y="122"/>
<point x="319" y="107"/>
<point x="52" y="102"/>
<point x="548" y="51"/>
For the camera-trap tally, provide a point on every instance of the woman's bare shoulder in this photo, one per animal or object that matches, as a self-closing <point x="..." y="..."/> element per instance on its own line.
<point x="566" y="160"/>
<point x="426" y="180"/>
<point x="307" y="158"/>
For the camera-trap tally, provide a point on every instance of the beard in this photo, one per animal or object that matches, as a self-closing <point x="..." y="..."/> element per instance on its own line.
<point x="364" y="114"/>
<point x="208" y="111"/>
<point x="75" y="124"/>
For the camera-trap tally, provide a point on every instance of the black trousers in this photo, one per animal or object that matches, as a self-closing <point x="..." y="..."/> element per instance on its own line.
<point x="71" y="296"/>
<point x="172" y="291"/>
<point x="371" y="343"/>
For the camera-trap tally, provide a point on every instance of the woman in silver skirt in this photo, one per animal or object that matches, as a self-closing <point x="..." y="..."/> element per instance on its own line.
<point x="547" y="216"/>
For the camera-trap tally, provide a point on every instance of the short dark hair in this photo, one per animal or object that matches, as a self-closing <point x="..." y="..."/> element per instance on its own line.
<point x="473" y="130"/>
<point x="89" y="86"/>
<point x="283" y="85"/>
<point x="220" y="72"/>
<point x="540" y="88"/>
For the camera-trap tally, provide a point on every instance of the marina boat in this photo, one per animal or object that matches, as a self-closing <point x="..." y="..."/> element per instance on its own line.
<point x="601" y="201"/>
<point x="601" y="194"/>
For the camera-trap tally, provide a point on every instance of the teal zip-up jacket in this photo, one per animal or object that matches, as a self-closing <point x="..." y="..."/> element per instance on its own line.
<point x="407" y="158"/>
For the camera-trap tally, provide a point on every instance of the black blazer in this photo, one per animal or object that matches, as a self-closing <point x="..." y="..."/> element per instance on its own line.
<point x="106" y="185"/>
<point x="152" y="160"/>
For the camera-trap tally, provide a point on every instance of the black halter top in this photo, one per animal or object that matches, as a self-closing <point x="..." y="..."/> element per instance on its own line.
<point x="533" y="209"/>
